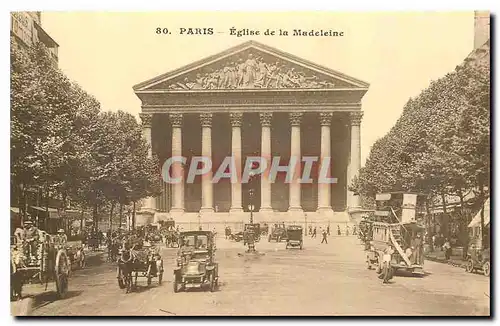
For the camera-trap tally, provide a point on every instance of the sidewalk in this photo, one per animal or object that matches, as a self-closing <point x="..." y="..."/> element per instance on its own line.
<point x="455" y="259"/>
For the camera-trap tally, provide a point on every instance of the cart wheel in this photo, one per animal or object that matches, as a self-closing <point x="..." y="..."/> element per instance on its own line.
<point x="61" y="274"/>
<point x="469" y="266"/>
<point x="486" y="268"/>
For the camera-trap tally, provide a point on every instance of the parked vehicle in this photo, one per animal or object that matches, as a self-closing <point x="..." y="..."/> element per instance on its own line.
<point x="196" y="265"/>
<point x="478" y="259"/>
<point x="278" y="233"/>
<point x="49" y="263"/>
<point x="294" y="236"/>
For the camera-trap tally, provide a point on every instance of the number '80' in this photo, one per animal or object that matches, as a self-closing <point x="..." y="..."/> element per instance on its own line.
<point x="160" y="30"/>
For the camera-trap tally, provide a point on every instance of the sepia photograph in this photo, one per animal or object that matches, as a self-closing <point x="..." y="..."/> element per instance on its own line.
<point x="250" y="163"/>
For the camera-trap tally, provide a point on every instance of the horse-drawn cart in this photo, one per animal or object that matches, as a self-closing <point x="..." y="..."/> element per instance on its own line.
<point x="139" y="262"/>
<point x="39" y="262"/>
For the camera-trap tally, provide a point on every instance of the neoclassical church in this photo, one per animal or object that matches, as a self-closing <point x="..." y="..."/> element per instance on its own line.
<point x="254" y="100"/>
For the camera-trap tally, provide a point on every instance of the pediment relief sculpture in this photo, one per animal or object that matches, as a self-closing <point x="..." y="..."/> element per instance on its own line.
<point x="252" y="73"/>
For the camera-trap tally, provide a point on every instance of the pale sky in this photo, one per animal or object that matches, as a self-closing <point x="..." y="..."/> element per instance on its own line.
<point x="398" y="54"/>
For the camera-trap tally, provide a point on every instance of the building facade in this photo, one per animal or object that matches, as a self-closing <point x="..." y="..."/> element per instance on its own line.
<point x="254" y="100"/>
<point x="26" y="27"/>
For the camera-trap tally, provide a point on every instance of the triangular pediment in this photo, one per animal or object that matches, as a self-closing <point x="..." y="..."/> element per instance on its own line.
<point x="251" y="65"/>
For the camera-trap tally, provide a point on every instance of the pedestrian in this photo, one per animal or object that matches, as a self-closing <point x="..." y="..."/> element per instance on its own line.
<point x="324" y="237"/>
<point x="314" y="233"/>
<point x="447" y="249"/>
<point x="347" y="230"/>
<point x="433" y="242"/>
<point x="338" y="230"/>
<point x="416" y="246"/>
<point x="328" y="230"/>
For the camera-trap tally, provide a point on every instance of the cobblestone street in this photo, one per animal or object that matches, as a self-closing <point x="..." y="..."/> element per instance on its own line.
<point x="322" y="279"/>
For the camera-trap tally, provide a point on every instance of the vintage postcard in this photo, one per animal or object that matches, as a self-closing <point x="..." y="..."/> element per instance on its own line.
<point x="250" y="164"/>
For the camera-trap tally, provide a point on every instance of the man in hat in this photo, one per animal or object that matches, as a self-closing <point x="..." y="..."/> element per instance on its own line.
<point x="416" y="246"/>
<point x="62" y="236"/>
<point x="31" y="236"/>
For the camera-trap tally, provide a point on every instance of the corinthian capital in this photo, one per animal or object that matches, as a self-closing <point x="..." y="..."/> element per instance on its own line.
<point x="175" y="119"/>
<point x="325" y="118"/>
<point x="295" y="118"/>
<point x="206" y="119"/>
<point x="236" y="119"/>
<point x="265" y="119"/>
<point x="355" y="118"/>
<point x="146" y="119"/>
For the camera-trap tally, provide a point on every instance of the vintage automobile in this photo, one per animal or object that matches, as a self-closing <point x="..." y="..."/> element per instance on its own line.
<point x="478" y="259"/>
<point x="398" y="225"/>
<point x="238" y="236"/>
<point x="196" y="265"/>
<point x="254" y="230"/>
<point x="278" y="233"/>
<point x="294" y="236"/>
<point x="138" y="261"/>
<point x="47" y="263"/>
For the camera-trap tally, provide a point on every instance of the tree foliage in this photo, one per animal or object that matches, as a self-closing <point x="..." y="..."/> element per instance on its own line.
<point x="63" y="143"/>
<point x="440" y="144"/>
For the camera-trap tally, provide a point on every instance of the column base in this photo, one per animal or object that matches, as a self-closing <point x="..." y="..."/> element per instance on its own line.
<point x="235" y="210"/>
<point x="266" y="210"/>
<point x="176" y="212"/>
<point x="207" y="210"/>
<point x="325" y="211"/>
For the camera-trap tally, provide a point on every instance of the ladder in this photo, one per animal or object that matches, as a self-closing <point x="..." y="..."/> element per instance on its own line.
<point x="395" y="237"/>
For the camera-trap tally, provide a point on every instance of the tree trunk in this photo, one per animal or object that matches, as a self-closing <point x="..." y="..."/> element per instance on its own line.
<point x="46" y="209"/>
<point x="133" y="217"/>
<point x="121" y="213"/>
<point x="444" y="220"/>
<point x="82" y="218"/>
<point x="111" y="217"/>
<point x="94" y="218"/>
<point x="482" y="217"/>
<point x="463" y="225"/>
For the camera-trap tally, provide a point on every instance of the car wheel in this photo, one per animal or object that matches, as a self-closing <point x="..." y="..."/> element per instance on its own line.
<point x="486" y="268"/>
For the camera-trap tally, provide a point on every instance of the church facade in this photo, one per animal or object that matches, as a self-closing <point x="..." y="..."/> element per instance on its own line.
<point x="254" y="100"/>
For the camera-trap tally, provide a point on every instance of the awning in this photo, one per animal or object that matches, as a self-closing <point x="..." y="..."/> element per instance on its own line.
<point x="476" y="221"/>
<point x="53" y="212"/>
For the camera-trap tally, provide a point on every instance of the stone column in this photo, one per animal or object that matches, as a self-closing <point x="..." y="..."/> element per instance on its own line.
<point x="355" y="157"/>
<point x="177" y="167"/>
<point x="265" y="152"/>
<point x="149" y="203"/>
<point x="207" y="196"/>
<point x="324" y="189"/>
<point x="236" y="200"/>
<point x="295" y="194"/>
